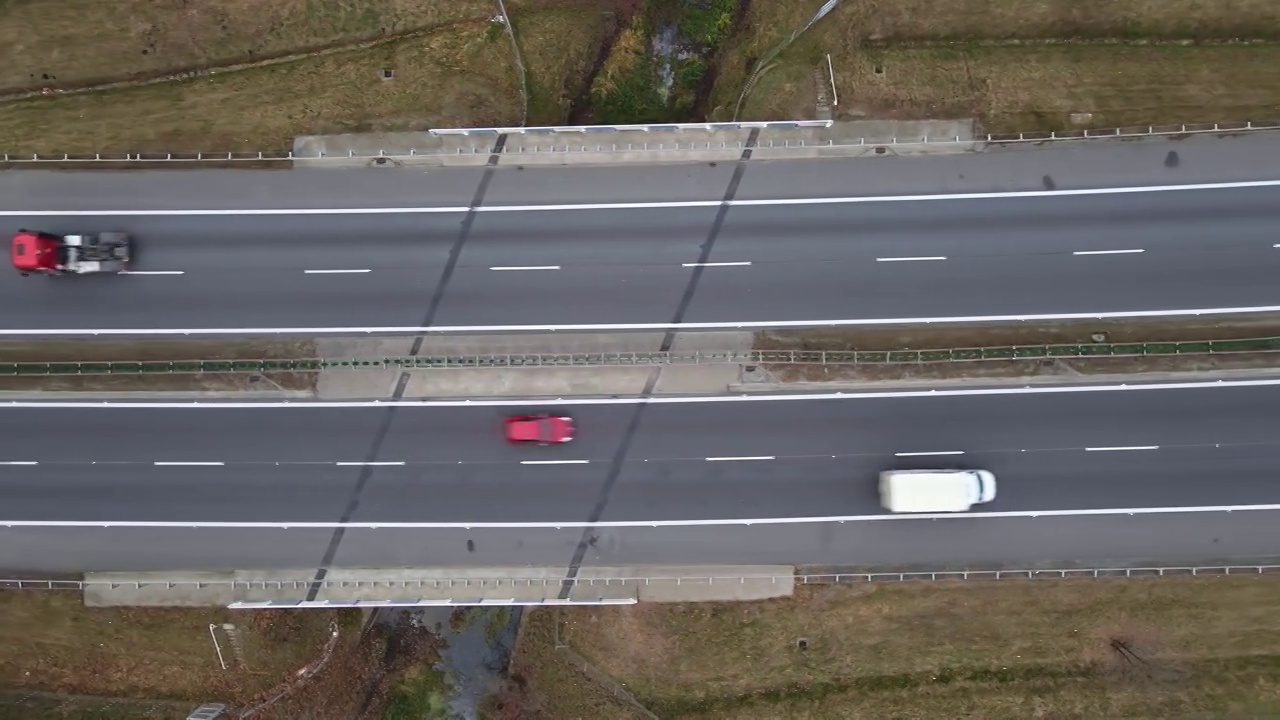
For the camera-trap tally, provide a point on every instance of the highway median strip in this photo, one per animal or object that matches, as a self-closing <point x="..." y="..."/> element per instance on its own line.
<point x="1064" y="350"/>
<point x="792" y="358"/>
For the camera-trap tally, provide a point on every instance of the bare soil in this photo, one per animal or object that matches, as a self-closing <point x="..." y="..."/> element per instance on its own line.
<point x="1168" y="647"/>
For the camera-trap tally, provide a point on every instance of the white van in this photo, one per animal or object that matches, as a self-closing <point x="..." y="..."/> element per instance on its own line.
<point x="933" y="491"/>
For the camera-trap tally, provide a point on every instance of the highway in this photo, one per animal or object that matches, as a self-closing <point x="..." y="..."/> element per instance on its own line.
<point x="1110" y="252"/>
<point x="1166" y="448"/>
<point x="1097" y="253"/>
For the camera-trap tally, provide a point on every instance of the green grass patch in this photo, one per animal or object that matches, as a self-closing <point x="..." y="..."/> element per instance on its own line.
<point x="421" y="693"/>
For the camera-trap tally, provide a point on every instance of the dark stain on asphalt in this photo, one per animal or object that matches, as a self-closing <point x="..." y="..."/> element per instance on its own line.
<point x="1048" y="182"/>
<point x="1172" y="160"/>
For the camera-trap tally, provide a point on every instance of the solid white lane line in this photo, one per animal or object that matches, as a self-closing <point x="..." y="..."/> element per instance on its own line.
<point x="335" y="272"/>
<point x="369" y="464"/>
<point x="203" y="464"/>
<point x="525" y="267"/>
<point x="462" y="209"/>
<point x="648" y="400"/>
<point x="909" y="259"/>
<point x="19" y="462"/>
<point x="1107" y="252"/>
<point x="1131" y="447"/>
<point x="153" y="272"/>
<point x="554" y="462"/>
<point x="745" y="457"/>
<point x="680" y="326"/>
<point x="716" y="264"/>
<point x="921" y="454"/>
<point x="560" y="525"/>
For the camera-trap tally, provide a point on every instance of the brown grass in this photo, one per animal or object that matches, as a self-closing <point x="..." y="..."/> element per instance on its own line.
<point x="1012" y="88"/>
<point x="554" y="686"/>
<point x="451" y="77"/>
<point x="558" y="47"/>
<point x="915" y="337"/>
<point x="76" y="42"/>
<point x="998" y="335"/>
<point x="451" y="70"/>
<point x="165" y="350"/>
<point x="1075" y="369"/>
<point x="929" y="650"/>
<point x="50" y="642"/>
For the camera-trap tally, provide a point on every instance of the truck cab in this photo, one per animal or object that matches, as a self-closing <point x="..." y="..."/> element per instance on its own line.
<point x="48" y="254"/>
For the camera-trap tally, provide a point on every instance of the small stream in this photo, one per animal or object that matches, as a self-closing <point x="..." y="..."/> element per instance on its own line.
<point x="476" y="647"/>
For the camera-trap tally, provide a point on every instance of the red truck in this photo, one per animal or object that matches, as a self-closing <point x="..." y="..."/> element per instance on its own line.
<point x="48" y="254"/>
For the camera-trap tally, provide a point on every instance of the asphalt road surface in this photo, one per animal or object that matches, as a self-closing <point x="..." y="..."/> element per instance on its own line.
<point x="1159" y="448"/>
<point x="1189" y="249"/>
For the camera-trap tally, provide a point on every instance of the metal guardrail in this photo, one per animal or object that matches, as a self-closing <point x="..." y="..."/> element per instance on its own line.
<point x="1130" y="132"/>
<point x="493" y="584"/>
<point x="612" y="359"/>
<point x="656" y="127"/>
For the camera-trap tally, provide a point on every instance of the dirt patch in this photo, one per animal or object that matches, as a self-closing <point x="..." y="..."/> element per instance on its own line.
<point x="67" y="351"/>
<point x="50" y="642"/>
<point x="1012" y="649"/>
<point x="1061" y="61"/>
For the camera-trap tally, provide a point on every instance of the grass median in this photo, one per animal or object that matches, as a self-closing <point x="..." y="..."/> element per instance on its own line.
<point x="1167" y="647"/>
<point x="1085" y="333"/>
<point x="54" y="351"/>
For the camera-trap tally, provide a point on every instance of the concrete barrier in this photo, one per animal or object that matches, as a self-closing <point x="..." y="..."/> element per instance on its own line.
<point x="626" y="144"/>
<point x="380" y="587"/>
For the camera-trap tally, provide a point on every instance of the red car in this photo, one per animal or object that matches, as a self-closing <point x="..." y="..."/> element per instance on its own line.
<point x="540" y="429"/>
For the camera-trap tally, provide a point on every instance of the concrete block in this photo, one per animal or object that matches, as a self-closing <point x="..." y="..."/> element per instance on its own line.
<point x="697" y="379"/>
<point x="527" y="382"/>
<point x="854" y="138"/>
<point x="701" y="583"/>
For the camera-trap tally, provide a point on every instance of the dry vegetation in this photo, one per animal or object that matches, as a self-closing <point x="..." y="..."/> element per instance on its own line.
<point x="1017" y="64"/>
<point x="55" y="351"/>
<point x="1024" y="334"/>
<point x="50" y="642"/>
<point x="74" y="42"/>
<point x="1015" y="649"/>
<point x="284" y="68"/>
<point x="552" y="685"/>
<point x="558" y="47"/>
<point x="915" y="337"/>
